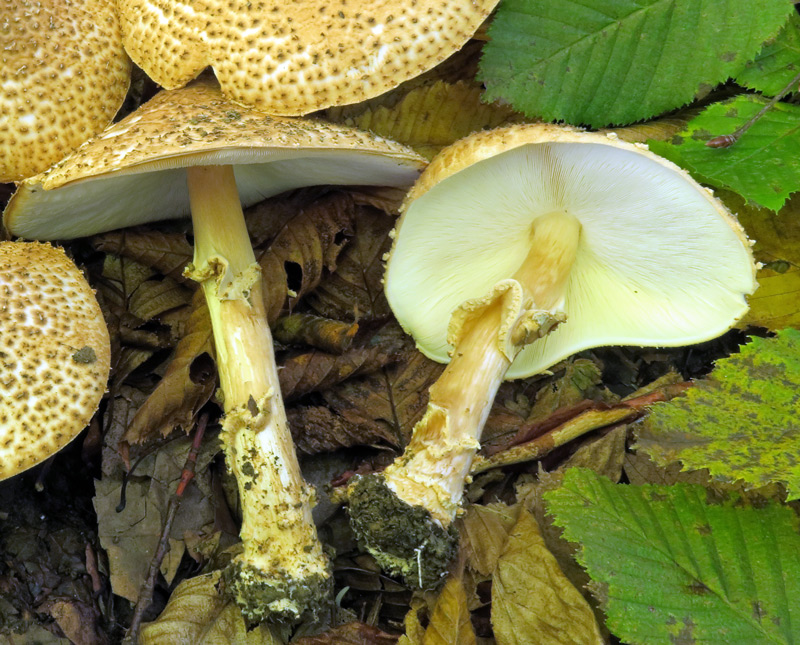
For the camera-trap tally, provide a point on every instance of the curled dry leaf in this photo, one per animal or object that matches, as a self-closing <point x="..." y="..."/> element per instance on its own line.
<point x="187" y="384"/>
<point x="355" y="290"/>
<point x="166" y="253"/>
<point x="196" y="613"/>
<point x="329" y="335"/>
<point x="532" y="601"/>
<point x="307" y="245"/>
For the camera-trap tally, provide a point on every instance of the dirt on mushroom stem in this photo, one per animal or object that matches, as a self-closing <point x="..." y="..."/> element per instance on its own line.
<point x="424" y="486"/>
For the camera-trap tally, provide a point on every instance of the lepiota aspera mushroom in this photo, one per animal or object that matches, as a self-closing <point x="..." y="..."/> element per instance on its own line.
<point x="517" y="248"/>
<point x="292" y="58"/>
<point x="192" y="150"/>
<point x="54" y="354"/>
<point x="63" y="73"/>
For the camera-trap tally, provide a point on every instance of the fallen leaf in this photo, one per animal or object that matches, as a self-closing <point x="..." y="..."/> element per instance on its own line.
<point x="329" y="335"/>
<point x="532" y="601"/>
<point x="484" y="532"/>
<point x="187" y="384"/>
<point x="450" y="622"/>
<point x="309" y="244"/>
<point x="166" y="253"/>
<point x="76" y="620"/>
<point x="316" y="428"/>
<point x="354" y="633"/>
<point x="604" y="455"/>
<point x="355" y="290"/>
<point x="196" y="613"/>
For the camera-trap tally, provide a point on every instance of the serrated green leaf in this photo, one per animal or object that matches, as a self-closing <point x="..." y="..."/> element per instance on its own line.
<point x="776" y="64"/>
<point x="675" y="569"/>
<point x="763" y="166"/>
<point x="601" y="62"/>
<point x="742" y="422"/>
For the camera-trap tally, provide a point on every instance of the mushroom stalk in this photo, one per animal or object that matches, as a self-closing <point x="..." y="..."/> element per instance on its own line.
<point x="282" y="570"/>
<point x="486" y="334"/>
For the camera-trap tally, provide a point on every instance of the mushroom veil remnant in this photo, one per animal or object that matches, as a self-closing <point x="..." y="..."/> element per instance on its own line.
<point x="54" y="354"/>
<point x="517" y="248"/>
<point x="191" y="151"/>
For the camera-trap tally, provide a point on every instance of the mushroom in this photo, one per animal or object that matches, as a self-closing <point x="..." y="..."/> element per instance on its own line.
<point x="193" y="150"/>
<point x="292" y="58"/>
<point x="64" y="74"/>
<point x="517" y="248"/>
<point x="55" y="355"/>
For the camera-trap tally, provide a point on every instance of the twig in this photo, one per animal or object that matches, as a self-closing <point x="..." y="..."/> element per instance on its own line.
<point x="146" y="592"/>
<point x="727" y="140"/>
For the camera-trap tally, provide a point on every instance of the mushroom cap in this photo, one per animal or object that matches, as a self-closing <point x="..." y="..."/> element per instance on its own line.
<point x="292" y="58"/>
<point x="659" y="260"/>
<point x="54" y="356"/>
<point x="134" y="172"/>
<point x="64" y="74"/>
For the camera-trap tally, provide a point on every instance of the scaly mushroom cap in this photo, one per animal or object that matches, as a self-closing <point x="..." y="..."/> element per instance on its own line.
<point x="64" y="75"/>
<point x="292" y="58"/>
<point x="659" y="260"/>
<point x="54" y="354"/>
<point x="134" y="172"/>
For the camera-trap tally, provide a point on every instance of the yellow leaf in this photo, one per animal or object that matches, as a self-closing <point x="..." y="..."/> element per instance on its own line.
<point x="196" y="613"/>
<point x="450" y="623"/>
<point x="484" y="530"/>
<point x="415" y="632"/>
<point x="532" y="601"/>
<point x="433" y="116"/>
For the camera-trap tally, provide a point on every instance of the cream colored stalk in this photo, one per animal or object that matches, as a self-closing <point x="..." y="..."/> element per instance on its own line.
<point x="282" y="570"/>
<point x="486" y="335"/>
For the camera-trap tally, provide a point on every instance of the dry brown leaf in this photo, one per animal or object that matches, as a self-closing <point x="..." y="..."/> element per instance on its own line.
<point x="387" y="403"/>
<point x="355" y="290"/>
<point x="484" y="531"/>
<point x="154" y="297"/>
<point x="316" y="428"/>
<point x="76" y="621"/>
<point x="166" y="253"/>
<point x="196" y="613"/>
<point x="307" y="245"/>
<point x="657" y="129"/>
<point x="187" y="384"/>
<point x="532" y="601"/>
<point x="385" y="198"/>
<point x="34" y="635"/>
<point x="450" y="622"/>
<point x="329" y="335"/>
<point x="604" y="455"/>
<point x="354" y="633"/>
<point x="434" y="115"/>
<point x="315" y="370"/>
<point x="267" y="218"/>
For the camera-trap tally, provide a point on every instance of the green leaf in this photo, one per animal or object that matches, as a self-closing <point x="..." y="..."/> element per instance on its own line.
<point x="675" y="569"/>
<point x="742" y="422"/>
<point x="777" y="64"/>
<point x="601" y="62"/>
<point x="763" y="166"/>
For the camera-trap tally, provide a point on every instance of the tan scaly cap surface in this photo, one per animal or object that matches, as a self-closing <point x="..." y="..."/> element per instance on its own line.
<point x="63" y="76"/>
<point x="292" y="58"/>
<point x="659" y="260"/>
<point x="54" y="354"/>
<point x="134" y="172"/>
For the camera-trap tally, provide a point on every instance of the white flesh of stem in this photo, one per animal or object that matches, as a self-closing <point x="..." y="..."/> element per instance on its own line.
<point x="278" y="534"/>
<point x="432" y="470"/>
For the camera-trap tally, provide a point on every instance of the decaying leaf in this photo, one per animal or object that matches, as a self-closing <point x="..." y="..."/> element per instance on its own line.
<point x="532" y="601"/>
<point x="329" y="335"/>
<point x="450" y="622"/>
<point x="187" y="384"/>
<point x="741" y="422"/>
<point x="196" y="613"/>
<point x="484" y="532"/>
<point x="166" y="253"/>
<point x="670" y="567"/>
<point x="355" y="290"/>
<point x="433" y="116"/>
<point x="308" y="244"/>
<point x="354" y="633"/>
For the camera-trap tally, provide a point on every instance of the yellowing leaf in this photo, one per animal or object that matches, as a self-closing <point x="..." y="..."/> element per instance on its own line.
<point x="533" y="603"/>
<point x="450" y="622"/>
<point x="433" y="116"/>
<point x="196" y="613"/>
<point x="484" y="529"/>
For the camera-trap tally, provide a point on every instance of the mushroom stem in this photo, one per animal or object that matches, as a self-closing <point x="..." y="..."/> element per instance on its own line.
<point x="487" y="334"/>
<point x="282" y="572"/>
